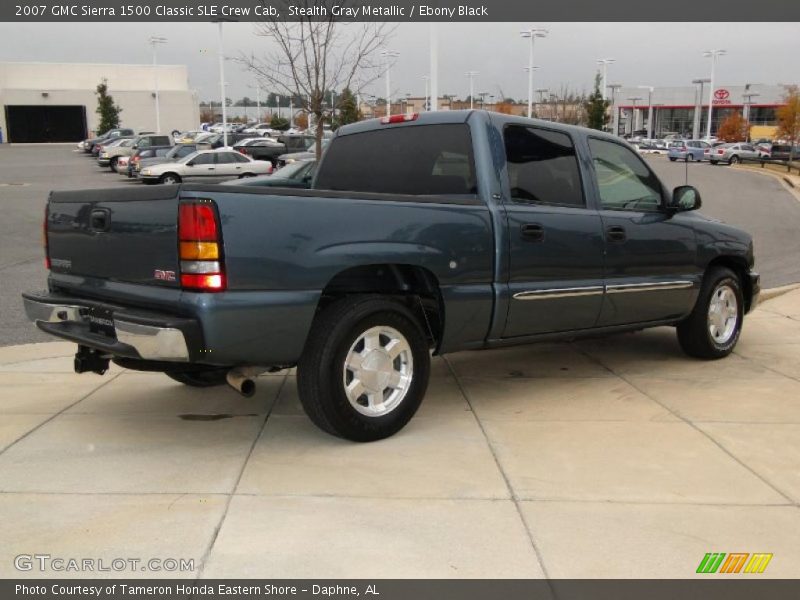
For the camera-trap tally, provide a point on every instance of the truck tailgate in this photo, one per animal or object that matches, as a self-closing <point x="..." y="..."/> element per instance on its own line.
<point x="123" y="235"/>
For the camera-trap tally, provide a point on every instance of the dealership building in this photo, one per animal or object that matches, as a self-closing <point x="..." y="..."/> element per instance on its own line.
<point x="56" y="102"/>
<point x="674" y="109"/>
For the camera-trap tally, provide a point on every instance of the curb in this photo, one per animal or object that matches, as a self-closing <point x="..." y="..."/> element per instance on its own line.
<point x="771" y="293"/>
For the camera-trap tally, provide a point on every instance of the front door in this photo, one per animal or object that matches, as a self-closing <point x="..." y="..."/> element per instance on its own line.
<point x="556" y="244"/>
<point x="650" y="270"/>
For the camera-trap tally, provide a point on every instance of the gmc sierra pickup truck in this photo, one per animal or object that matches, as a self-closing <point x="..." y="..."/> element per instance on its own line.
<point x="422" y="234"/>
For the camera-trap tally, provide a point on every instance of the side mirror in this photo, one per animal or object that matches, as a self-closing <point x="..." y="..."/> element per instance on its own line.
<point x="190" y="163"/>
<point x="685" y="198"/>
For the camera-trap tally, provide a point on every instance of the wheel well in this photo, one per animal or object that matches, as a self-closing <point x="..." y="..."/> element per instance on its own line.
<point x="416" y="286"/>
<point x="738" y="266"/>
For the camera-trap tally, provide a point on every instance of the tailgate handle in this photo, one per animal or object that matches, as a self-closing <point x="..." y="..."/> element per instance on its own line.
<point x="100" y="219"/>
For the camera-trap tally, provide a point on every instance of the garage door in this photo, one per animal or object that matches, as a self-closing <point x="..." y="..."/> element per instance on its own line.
<point x="31" y="124"/>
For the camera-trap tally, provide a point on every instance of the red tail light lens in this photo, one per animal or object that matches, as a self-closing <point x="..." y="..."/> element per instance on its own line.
<point x="720" y="151"/>
<point x="199" y="247"/>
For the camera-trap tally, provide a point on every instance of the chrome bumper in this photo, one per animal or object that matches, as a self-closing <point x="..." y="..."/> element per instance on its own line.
<point x="72" y="322"/>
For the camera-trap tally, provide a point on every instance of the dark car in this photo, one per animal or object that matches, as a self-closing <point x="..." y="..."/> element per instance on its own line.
<point x="143" y="154"/>
<point x="89" y="144"/>
<point x="784" y="152"/>
<point x="269" y="150"/>
<point x="299" y="175"/>
<point x="422" y="234"/>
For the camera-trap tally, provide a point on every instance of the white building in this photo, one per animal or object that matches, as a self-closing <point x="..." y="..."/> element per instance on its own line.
<point x="56" y="102"/>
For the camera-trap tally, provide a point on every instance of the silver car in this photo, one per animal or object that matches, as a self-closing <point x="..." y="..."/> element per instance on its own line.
<point x="732" y="153"/>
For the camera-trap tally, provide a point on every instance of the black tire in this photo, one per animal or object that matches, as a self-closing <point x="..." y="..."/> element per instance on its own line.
<point x="170" y="178"/>
<point x="694" y="333"/>
<point x="201" y="379"/>
<point x="713" y="162"/>
<point x="112" y="164"/>
<point x="245" y="175"/>
<point x="321" y="372"/>
<point x="733" y="160"/>
<point x="672" y="159"/>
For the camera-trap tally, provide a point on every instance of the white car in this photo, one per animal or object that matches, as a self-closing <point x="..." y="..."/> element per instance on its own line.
<point x="262" y="129"/>
<point x="206" y="165"/>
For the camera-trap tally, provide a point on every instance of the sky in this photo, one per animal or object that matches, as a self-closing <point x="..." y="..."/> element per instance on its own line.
<point x="656" y="54"/>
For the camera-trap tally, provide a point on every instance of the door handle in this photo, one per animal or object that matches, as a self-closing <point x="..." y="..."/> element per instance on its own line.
<point x="615" y="233"/>
<point x="532" y="231"/>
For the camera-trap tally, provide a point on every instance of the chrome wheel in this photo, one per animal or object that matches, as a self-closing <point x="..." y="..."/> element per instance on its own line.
<point x="723" y="314"/>
<point x="378" y="371"/>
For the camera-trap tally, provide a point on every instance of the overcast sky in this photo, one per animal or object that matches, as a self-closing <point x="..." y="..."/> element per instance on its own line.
<point x="658" y="54"/>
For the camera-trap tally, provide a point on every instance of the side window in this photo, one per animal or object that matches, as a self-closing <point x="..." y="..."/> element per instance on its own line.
<point x="239" y="158"/>
<point x="204" y="159"/>
<point x="224" y="158"/>
<point x="542" y="166"/>
<point x="623" y="179"/>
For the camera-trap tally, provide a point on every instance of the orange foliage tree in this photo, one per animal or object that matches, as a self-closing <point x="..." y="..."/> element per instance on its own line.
<point x="503" y="107"/>
<point x="733" y="129"/>
<point x="789" y="119"/>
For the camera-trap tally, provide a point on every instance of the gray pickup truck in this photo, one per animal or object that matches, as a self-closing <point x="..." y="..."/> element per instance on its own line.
<point x="422" y="234"/>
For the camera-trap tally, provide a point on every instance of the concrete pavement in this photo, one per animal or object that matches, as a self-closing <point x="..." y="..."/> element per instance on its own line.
<point x="616" y="457"/>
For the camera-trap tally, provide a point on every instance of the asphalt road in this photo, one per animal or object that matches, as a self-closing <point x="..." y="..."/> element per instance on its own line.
<point x="755" y="202"/>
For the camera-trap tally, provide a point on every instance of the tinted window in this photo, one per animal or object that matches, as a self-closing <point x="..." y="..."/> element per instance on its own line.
<point x="239" y="158"/>
<point x="203" y="159"/>
<point x="225" y="158"/>
<point x="542" y="166"/>
<point x="624" y="181"/>
<point x="415" y="160"/>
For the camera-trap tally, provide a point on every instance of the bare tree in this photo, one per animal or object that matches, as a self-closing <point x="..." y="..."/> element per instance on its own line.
<point x="320" y="52"/>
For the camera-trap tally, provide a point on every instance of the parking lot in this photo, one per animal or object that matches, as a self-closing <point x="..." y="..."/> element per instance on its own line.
<point x="524" y="462"/>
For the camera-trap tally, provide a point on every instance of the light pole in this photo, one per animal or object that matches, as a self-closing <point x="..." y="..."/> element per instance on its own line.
<point x="604" y="62"/>
<point x="434" y="67"/>
<point x="154" y="41"/>
<point x="698" y="106"/>
<point x="222" y="88"/>
<point x="713" y="55"/>
<point x="482" y="96"/>
<point x="471" y="76"/>
<point x="532" y="34"/>
<point x="388" y="55"/>
<point x="614" y="87"/>
<point x="427" y="80"/>
<point x="656" y="124"/>
<point x="649" y="89"/>
<point x="634" y="99"/>
<point x="748" y="101"/>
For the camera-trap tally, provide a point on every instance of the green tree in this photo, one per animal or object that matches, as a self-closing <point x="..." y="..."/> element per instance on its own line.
<point x="596" y="107"/>
<point x="347" y="109"/>
<point x="279" y="123"/>
<point x="106" y="109"/>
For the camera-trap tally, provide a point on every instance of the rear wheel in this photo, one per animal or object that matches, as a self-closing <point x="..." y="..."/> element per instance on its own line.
<point x="243" y="175"/>
<point x="208" y="378"/>
<point x="713" y="328"/>
<point x="734" y="160"/>
<point x="170" y="178"/>
<point x="113" y="164"/>
<point x="672" y="158"/>
<point x="365" y="368"/>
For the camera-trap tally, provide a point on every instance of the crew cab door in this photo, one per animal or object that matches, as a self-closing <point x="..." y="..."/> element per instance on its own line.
<point x="650" y="271"/>
<point x="556" y="245"/>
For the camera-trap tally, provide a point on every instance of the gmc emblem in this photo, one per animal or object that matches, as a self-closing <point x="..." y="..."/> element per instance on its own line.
<point x="164" y="275"/>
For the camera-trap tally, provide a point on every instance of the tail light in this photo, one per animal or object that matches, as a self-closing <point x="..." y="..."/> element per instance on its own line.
<point x="135" y="159"/>
<point x="720" y="151"/>
<point x="45" y="243"/>
<point x="242" y="150"/>
<point x="200" y="247"/>
<point x="399" y="118"/>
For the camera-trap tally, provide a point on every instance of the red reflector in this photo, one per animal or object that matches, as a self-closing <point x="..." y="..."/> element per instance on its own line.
<point x="399" y="118"/>
<point x="197" y="222"/>
<point x="213" y="282"/>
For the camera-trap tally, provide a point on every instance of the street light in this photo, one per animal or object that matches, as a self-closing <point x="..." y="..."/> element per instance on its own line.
<point x="614" y="87"/>
<point x="748" y="101"/>
<point x="154" y="41"/>
<point x="532" y="34"/>
<point x="222" y="84"/>
<point x="698" y="106"/>
<point x="471" y="76"/>
<point x="427" y="80"/>
<point x="388" y="55"/>
<point x="649" y="89"/>
<point x="713" y="55"/>
<point x="604" y="62"/>
<point x="634" y="99"/>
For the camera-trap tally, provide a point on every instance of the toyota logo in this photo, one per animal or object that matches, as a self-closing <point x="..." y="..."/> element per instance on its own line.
<point x="721" y="94"/>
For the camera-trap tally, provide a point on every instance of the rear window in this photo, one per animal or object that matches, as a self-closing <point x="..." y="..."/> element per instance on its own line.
<point x="424" y="160"/>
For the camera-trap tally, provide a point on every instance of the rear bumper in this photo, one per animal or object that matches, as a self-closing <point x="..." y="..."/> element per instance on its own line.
<point x="136" y="334"/>
<point x="103" y="162"/>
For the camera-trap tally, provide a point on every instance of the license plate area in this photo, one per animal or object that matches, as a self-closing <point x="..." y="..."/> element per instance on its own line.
<point x="101" y="320"/>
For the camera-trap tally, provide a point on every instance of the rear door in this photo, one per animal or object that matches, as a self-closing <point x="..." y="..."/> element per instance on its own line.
<point x="556" y="244"/>
<point x="650" y="270"/>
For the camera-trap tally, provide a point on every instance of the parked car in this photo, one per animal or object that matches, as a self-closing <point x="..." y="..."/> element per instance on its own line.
<point x="781" y="152"/>
<point x="176" y="153"/>
<point x="206" y="165"/>
<point x="109" y="152"/>
<point x="89" y="144"/>
<point x="134" y="161"/>
<point x="262" y="129"/>
<point x="688" y="150"/>
<point x="423" y="234"/>
<point x="310" y="154"/>
<point x="285" y="144"/>
<point x="299" y="175"/>
<point x="732" y="153"/>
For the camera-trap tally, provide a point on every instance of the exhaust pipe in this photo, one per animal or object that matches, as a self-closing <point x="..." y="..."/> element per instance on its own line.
<point x="241" y="381"/>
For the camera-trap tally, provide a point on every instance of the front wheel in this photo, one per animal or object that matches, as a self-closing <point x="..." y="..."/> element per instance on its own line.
<point x="734" y="160"/>
<point x="365" y="368"/>
<point x="712" y="329"/>
<point x="672" y="159"/>
<point x="170" y="179"/>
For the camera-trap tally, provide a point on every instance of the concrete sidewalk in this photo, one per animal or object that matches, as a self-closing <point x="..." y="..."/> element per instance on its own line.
<point x="617" y="457"/>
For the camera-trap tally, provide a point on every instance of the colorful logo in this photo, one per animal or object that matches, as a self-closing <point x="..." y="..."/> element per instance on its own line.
<point x="735" y="562"/>
<point x="722" y="94"/>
